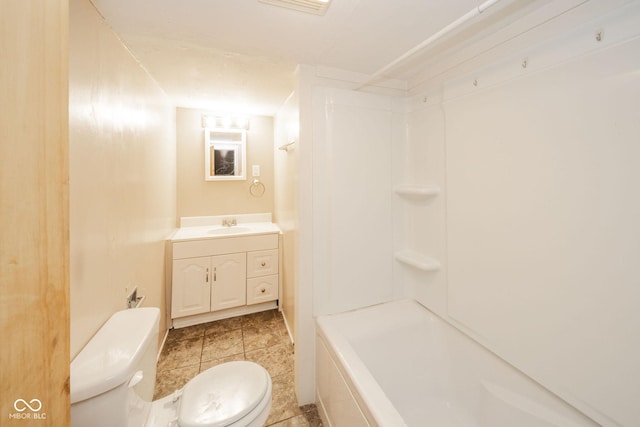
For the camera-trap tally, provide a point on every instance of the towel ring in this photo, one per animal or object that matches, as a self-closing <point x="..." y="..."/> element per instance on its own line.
<point x="257" y="188"/>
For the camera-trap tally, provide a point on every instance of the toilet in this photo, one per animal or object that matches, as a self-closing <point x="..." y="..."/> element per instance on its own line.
<point x="113" y="377"/>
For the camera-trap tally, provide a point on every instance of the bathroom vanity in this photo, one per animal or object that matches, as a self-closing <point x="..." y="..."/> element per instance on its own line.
<point x="220" y="271"/>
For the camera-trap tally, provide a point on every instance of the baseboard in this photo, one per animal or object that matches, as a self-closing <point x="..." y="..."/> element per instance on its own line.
<point x="164" y="340"/>
<point x="286" y="325"/>
<point x="322" y="412"/>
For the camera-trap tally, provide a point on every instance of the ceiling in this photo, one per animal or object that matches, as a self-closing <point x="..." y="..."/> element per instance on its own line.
<point x="239" y="56"/>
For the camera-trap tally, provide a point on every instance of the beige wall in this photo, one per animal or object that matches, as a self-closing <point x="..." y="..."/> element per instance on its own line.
<point x="197" y="197"/>
<point x="122" y="176"/>
<point x="34" y="217"/>
<point x="286" y="204"/>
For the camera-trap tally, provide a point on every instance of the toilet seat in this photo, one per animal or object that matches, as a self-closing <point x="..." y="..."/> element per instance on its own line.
<point x="112" y="381"/>
<point x="223" y="394"/>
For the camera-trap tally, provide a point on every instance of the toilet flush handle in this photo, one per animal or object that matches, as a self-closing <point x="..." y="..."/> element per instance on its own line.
<point x="135" y="379"/>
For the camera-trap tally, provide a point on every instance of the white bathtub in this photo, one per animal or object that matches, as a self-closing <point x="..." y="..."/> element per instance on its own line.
<point x="397" y="364"/>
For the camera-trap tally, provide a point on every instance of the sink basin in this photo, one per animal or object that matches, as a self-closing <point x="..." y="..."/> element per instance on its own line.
<point x="229" y="230"/>
<point x="217" y="230"/>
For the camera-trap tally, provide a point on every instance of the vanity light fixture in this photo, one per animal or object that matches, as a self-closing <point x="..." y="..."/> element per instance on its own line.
<point x="316" y="7"/>
<point x="225" y="122"/>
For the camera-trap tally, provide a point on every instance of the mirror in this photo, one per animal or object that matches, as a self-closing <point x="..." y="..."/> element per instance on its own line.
<point x="225" y="154"/>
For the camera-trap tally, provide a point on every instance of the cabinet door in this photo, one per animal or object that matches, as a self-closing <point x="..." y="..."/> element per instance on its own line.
<point x="228" y="286"/>
<point x="262" y="289"/>
<point x="191" y="288"/>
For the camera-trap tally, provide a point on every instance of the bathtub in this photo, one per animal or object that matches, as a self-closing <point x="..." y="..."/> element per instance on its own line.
<point x="398" y="364"/>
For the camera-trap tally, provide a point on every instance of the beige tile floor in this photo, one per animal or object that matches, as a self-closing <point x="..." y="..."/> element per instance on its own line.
<point x="259" y="337"/>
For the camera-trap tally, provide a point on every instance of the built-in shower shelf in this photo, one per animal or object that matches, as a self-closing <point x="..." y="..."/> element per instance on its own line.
<point x="417" y="260"/>
<point x="418" y="192"/>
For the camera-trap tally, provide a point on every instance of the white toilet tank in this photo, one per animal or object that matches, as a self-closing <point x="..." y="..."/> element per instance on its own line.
<point x="113" y="377"/>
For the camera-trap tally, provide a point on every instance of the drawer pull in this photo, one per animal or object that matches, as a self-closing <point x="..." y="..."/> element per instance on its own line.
<point x="263" y="290"/>
<point x="263" y="263"/>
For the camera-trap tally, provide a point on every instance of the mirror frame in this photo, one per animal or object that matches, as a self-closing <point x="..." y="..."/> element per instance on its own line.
<point x="225" y="140"/>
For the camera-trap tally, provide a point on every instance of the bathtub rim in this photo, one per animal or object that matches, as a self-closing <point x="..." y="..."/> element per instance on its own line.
<point x="378" y="408"/>
<point x="371" y="399"/>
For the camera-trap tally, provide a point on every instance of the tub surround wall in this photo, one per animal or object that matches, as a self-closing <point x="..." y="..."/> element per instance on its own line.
<point x="558" y="230"/>
<point x="352" y="200"/>
<point x="419" y="216"/>
<point x="122" y="176"/>
<point x="309" y="80"/>
<point x="197" y="197"/>
<point x="528" y="244"/>
<point x="536" y="218"/>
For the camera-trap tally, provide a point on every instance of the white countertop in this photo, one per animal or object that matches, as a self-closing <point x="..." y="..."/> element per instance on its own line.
<point x="220" y="231"/>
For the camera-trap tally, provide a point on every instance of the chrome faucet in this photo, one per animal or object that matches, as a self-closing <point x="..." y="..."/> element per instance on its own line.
<point x="229" y="222"/>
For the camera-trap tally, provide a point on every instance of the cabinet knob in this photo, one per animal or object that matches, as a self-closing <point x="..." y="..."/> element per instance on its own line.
<point x="263" y="290"/>
<point x="263" y="263"/>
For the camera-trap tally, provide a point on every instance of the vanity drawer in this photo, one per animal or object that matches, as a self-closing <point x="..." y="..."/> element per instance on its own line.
<point x="262" y="289"/>
<point x="262" y="263"/>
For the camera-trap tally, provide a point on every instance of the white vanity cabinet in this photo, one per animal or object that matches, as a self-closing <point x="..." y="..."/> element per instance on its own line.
<point x="223" y="277"/>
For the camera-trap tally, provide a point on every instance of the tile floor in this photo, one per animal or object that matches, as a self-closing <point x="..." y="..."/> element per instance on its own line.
<point x="259" y="337"/>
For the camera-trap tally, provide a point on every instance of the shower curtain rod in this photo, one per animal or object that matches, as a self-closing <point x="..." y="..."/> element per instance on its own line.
<point x="455" y="24"/>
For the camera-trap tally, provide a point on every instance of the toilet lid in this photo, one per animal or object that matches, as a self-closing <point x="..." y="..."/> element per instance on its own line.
<point x="223" y="394"/>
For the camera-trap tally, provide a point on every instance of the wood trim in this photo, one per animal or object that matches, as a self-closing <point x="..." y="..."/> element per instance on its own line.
<point x="34" y="217"/>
